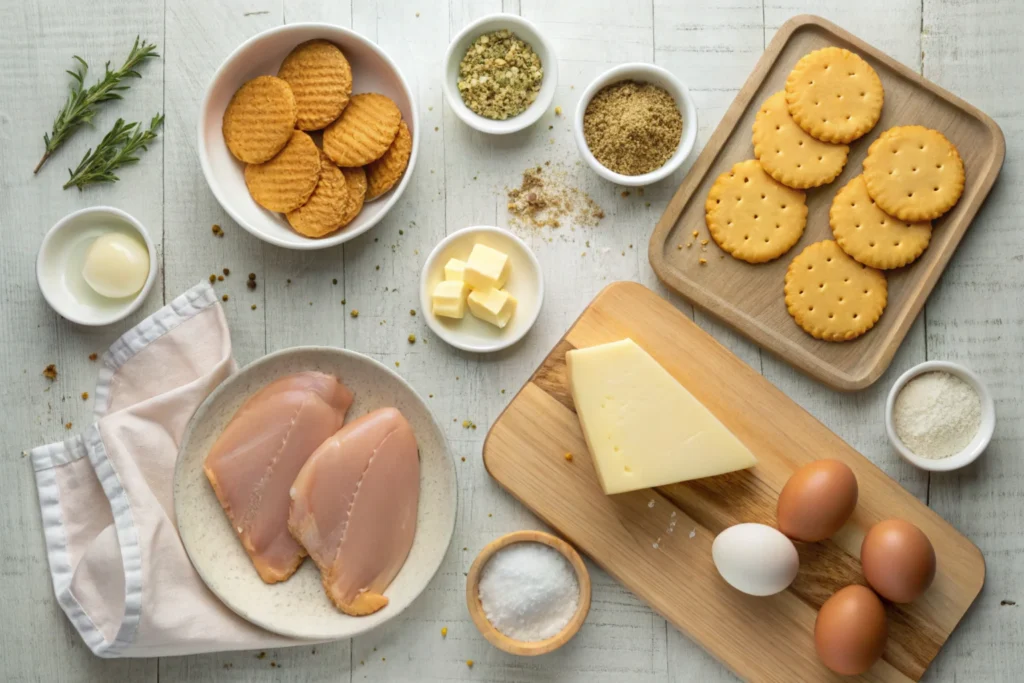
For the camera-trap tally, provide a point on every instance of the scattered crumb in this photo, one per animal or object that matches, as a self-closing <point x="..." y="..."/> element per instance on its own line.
<point x="342" y="302"/>
<point x="550" y="127"/>
<point x="679" y="247"/>
<point x="417" y="14"/>
<point x="463" y="458"/>
<point x="625" y="193"/>
<point x="703" y="243"/>
<point x="647" y="205"/>
<point x="288" y="281"/>
<point x="334" y="281"/>
<point x="489" y="514"/>
<point x="412" y="311"/>
<point x="354" y="313"/>
<point x="436" y="129"/>
<point x="220" y="278"/>
<point x="93" y="356"/>
<point x="503" y="391"/>
<point x="50" y="372"/>
<point x="216" y="230"/>
<point x="254" y="307"/>
<point x="378" y="267"/>
<point x="273" y="665"/>
<point x="1007" y="603"/>
<point x="695" y="233"/>
<point x="67" y="425"/>
<point x="469" y="663"/>
<point x="412" y="338"/>
<point x="444" y="631"/>
<point x="213" y="278"/>
<point x="468" y="424"/>
<point x="689" y="244"/>
<point x="397" y="364"/>
<point x="224" y="298"/>
<point x="430" y="396"/>
<point x="558" y="111"/>
<point x="568" y="457"/>
<point x="227" y="271"/>
<point x="251" y="284"/>
<point x="261" y="655"/>
<point x="702" y="261"/>
<point x="85" y="395"/>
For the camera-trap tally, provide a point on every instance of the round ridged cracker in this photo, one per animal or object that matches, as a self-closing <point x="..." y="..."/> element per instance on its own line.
<point x="914" y="173"/>
<point x="753" y="216"/>
<point x="872" y="236"/>
<point x="831" y="296"/>
<point x="321" y="79"/>
<point x="834" y="95"/>
<point x="788" y="153"/>
<point x="285" y="182"/>
<point x="355" y="179"/>
<point x="259" y="119"/>
<point x="364" y="131"/>
<point x="327" y="207"/>
<point x="382" y="174"/>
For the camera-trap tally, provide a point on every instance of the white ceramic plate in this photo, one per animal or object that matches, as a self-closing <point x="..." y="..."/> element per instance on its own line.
<point x="299" y="607"/>
<point x="525" y="283"/>
<point x="372" y="71"/>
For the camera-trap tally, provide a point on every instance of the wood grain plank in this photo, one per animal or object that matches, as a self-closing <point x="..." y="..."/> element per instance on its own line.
<point x="626" y="534"/>
<point x="37" y="42"/>
<point x="976" y="317"/>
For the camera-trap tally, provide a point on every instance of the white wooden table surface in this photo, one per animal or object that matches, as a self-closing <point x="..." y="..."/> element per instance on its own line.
<point x="976" y="314"/>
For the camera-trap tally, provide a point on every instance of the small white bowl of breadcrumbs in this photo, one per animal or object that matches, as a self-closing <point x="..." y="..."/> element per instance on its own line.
<point x="500" y="74"/>
<point x="635" y="124"/>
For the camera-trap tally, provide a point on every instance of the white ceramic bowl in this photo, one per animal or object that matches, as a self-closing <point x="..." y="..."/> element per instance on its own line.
<point x="372" y="71"/>
<point x="299" y="607"/>
<point x="525" y="283"/>
<point x="647" y="73"/>
<point x="977" y="445"/>
<point x="529" y="34"/>
<point x="62" y="255"/>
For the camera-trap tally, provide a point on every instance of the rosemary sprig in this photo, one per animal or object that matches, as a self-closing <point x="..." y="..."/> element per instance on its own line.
<point x="116" y="149"/>
<point x="80" y="106"/>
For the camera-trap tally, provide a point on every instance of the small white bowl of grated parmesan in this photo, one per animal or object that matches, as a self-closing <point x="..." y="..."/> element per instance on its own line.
<point x="939" y="416"/>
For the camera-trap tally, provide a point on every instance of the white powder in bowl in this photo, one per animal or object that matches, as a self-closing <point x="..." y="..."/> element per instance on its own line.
<point x="529" y="591"/>
<point x="936" y="415"/>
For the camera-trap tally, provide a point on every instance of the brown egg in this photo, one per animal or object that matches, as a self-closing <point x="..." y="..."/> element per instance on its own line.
<point x="817" y="500"/>
<point x="898" y="560"/>
<point x="851" y="630"/>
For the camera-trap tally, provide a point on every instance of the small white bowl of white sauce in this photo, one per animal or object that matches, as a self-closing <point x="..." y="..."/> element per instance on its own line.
<point x="94" y="250"/>
<point x="947" y="409"/>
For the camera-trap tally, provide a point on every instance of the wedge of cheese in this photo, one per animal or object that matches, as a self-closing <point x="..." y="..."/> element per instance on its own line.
<point x="643" y="428"/>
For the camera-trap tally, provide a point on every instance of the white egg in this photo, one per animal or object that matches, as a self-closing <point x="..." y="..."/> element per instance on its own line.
<point x="755" y="559"/>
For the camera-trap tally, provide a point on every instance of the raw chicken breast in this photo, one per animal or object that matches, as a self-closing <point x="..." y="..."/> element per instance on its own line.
<point x="254" y="462"/>
<point x="354" y="508"/>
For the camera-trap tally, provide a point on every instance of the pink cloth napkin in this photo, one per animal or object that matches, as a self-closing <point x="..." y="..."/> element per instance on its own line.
<point x="119" y="569"/>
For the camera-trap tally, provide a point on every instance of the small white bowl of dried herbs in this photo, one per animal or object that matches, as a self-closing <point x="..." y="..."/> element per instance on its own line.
<point x="500" y="74"/>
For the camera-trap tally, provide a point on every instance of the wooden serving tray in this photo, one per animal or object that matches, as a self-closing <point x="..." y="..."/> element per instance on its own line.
<point x="749" y="297"/>
<point x="633" y="537"/>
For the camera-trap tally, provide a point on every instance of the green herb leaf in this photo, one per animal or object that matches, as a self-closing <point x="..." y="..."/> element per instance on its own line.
<point x="117" y="148"/>
<point x="80" y="107"/>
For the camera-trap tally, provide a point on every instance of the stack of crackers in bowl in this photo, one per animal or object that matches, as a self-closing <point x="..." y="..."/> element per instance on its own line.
<point x="835" y="290"/>
<point x="366" y="145"/>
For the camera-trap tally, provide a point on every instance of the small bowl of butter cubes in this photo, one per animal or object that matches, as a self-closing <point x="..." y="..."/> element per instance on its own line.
<point x="481" y="289"/>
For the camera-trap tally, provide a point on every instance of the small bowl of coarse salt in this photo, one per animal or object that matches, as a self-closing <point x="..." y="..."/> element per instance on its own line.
<point x="528" y="592"/>
<point x="939" y="416"/>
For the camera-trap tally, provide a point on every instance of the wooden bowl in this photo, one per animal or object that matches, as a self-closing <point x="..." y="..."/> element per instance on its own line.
<point x="499" y="639"/>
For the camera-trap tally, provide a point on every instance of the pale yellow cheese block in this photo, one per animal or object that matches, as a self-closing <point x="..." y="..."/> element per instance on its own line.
<point x="643" y="428"/>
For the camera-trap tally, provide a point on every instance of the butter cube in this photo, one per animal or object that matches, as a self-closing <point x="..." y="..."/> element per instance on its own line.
<point x="495" y="306"/>
<point x="486" y="268"/>
<point x="453" y="269"/>
<point x="449" y="298"/>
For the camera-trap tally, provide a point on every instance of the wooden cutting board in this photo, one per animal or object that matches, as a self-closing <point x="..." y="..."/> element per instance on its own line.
<point x="657" y="542"/>
<point x="749" y="297"/>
